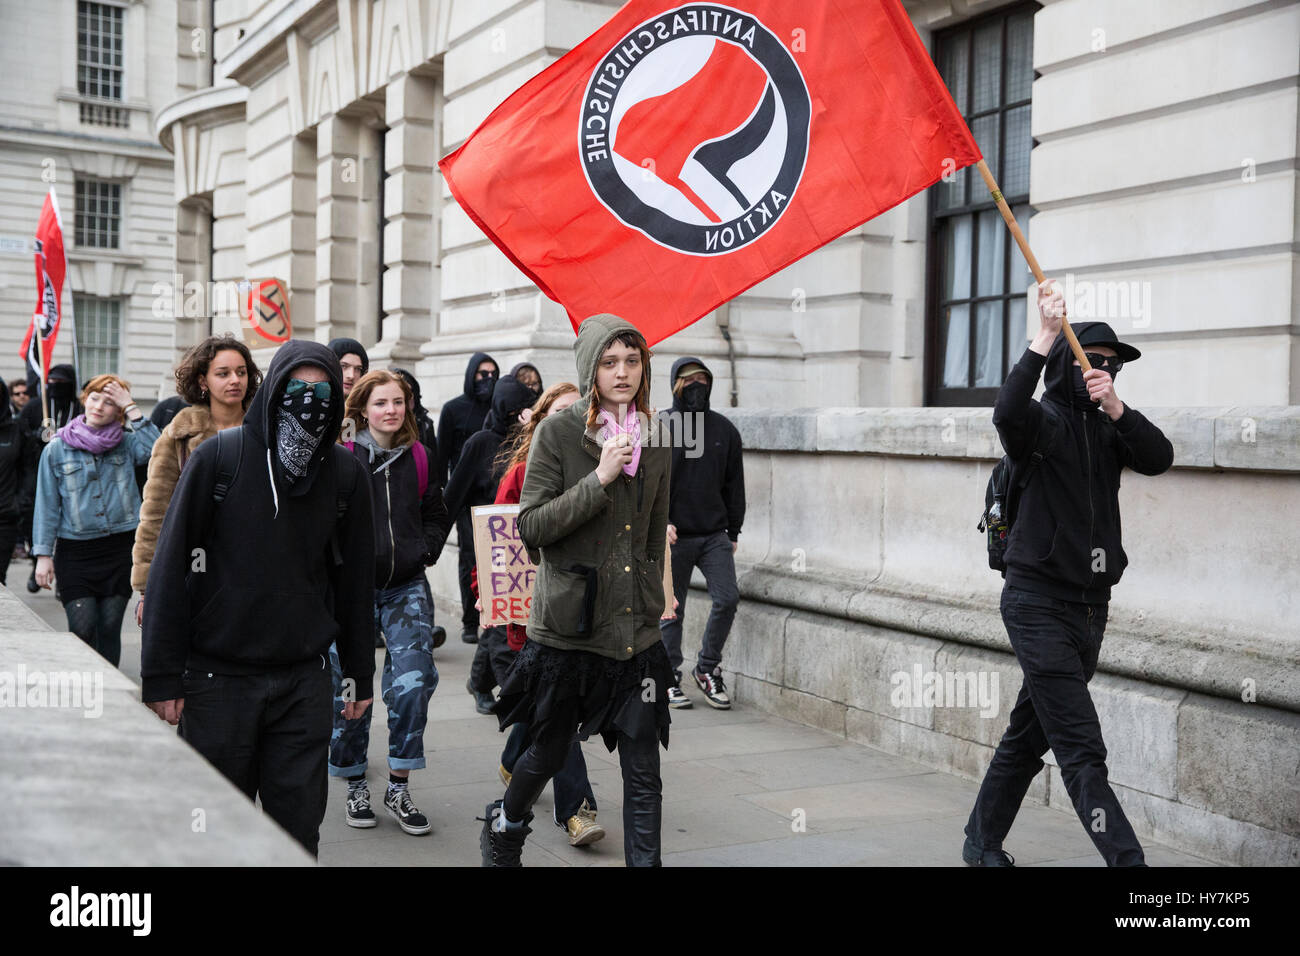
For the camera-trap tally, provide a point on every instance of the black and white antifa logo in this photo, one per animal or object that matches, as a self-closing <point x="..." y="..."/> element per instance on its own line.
<point x="695" y="129"/>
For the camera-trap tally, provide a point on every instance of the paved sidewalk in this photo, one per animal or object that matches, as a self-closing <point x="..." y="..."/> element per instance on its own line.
<point x="734" y="785"/>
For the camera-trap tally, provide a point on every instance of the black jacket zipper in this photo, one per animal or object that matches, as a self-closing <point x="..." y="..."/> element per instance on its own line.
<point x="1092" y="511"/>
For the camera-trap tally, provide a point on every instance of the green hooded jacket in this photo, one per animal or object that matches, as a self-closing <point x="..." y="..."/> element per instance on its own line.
<point x="599" y="584"/>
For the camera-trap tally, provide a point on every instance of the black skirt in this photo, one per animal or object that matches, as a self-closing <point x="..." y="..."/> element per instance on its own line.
<point x="99" y="567"/>
<point x="615" y="696"/>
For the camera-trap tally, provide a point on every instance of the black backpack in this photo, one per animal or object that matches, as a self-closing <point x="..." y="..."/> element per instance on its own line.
<point x="1006" y="482"/>
<point x="230" y="453"/>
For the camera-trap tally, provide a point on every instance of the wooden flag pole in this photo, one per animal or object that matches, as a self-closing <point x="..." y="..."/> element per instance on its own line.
<point x="1028" y="253"/>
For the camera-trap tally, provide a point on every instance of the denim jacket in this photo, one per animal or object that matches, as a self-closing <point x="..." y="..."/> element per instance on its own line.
<point x="83" y="496"/>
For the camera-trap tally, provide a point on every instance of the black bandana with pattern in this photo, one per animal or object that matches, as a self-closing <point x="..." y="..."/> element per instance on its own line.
<point x="301" y="420"/>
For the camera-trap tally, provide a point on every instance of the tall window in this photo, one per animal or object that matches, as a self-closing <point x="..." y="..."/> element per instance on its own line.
<point x="99" y="333"/>
<point x="99" y="62"/>
<point x="978" y="278"/>
<point x="99" y="213"/>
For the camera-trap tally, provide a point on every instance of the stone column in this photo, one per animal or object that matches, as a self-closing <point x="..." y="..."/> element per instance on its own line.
<point x="338" y="188"/>
<point x="410" y="154"/>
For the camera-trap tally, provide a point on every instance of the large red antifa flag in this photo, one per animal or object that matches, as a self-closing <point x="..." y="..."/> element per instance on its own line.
<point x="50" y="269"/>
<point x="683" y="153"/>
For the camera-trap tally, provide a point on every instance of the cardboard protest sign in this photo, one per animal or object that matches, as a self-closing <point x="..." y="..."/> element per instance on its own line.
<point x="505" y="575"/>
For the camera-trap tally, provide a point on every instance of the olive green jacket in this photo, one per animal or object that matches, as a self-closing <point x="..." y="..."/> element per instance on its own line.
<point x="575" y="524"/>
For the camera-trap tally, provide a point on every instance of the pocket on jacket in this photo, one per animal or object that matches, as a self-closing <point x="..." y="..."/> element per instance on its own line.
<point x="72" y="475"/>
<point x="650" y="590"/>
<point x="564" y="601"/>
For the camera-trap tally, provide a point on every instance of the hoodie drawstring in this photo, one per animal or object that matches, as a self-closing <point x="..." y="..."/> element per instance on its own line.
<point x="275" y="497"/>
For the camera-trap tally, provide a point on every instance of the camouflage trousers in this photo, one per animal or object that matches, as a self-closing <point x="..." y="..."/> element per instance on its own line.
<point x="404" y="615"/>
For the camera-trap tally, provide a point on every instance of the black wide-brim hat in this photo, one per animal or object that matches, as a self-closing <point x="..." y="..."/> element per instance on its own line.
<point x="1099" y="333"/>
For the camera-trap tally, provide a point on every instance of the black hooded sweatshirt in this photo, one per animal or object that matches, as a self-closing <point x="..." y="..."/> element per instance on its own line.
<point x="461" y="417"/>
<point x="13" y="462"/>
<point x="269" y="594"/>
<point x="475" y="479"/>
<point x="1066" y="540"/>
<point x="409" y="530"/>
<point x="428" y="437"/>
<point x="708" y="490"/>
<point x="64" y="407"/>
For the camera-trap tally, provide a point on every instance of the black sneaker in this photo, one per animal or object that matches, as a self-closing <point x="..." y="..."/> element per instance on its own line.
<point x="483" y="703"/>
<point x="502" y="847"/>
<point x="357" y="811"/>
<point x="403" y="810"/>
<point x="469" y="635"/>
<point x="974" y="856"/>
<point x="715" y="691"/>
<point x="439" y="636"/>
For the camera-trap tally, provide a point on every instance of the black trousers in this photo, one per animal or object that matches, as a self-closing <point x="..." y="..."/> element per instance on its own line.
<point x="8" y="538"/>
<point x="269" y="735"/>
<point x="642" y="785"/>
<point x="492" y="658"/>
<point x="464" y="564"/>
<point x="1056" y="643"/>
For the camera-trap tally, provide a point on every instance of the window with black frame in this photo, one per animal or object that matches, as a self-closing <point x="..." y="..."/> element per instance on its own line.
<point x="97" y="217"/>
<point x="978" y="278"/>
<point x="100" y="31"/>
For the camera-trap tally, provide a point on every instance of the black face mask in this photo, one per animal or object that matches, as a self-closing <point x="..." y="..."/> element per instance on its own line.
<point x="60" y="390"/>
<point x="483" y="387"/>
<point x="300" y="424"/>
<point x="695" y="397"/>
<point x="1080" y="389"/>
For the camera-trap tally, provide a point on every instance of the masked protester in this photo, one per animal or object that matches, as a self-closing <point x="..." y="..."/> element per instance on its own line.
<point x="14" y="490"/>
<point x="87" y="509"/>
<point x="461" y="417"/>
<point x="219" y="378"/>
<point x="594" y="517"/>
<point x="428" y="435"/>
<point x="1063" y="556"/>
<point x="474" y="482"/>
<point x="527" y="374"/>
<point x="63" y="407"/>
<point x="410" y="527"/>
<point x="234" y="648"/>
<point x="352" y="359"/>
<point x="707" y="510"/>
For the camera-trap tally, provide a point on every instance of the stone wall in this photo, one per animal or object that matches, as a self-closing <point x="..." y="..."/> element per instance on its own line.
<point x="860" y="561"/>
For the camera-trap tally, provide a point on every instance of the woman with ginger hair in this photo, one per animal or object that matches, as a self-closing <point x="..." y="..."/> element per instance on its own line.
<point x="87" y="510"/>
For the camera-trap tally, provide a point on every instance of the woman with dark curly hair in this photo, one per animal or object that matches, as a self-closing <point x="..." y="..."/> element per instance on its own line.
<point x="218" y="377"/>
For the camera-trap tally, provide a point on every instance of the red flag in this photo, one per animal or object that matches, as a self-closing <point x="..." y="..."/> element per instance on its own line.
<point x="681" y="154"/>
<point x="50" y="269"/>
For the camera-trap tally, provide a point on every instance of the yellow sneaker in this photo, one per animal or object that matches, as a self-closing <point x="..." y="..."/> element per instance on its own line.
<point x="583" y="828"/>
<point x="504" y="774"/>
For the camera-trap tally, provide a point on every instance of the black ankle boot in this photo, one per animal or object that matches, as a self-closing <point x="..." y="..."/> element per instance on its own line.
<point x="974" y="856"/>
<point x="502" y="847"/>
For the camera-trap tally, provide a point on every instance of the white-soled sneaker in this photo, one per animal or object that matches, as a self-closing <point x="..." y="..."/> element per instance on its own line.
<point x="676" y="699"/>
<point x="715" y="691"/>
<point x="357" y="811"/>
<point x="411" y="820"/>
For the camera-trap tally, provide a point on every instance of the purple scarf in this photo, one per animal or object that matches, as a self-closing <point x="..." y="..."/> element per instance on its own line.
<point x="78" y="433"/>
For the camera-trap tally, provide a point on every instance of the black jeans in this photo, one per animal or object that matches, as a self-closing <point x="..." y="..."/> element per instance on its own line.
<point x="98" y="622"/>
<point x="571" y="784"/>
<point x="8" y="538"/>
<point x="642" y="785"/>
<point x="492" y="658"/>
<point x="713" y="555"/>
<point x="464" y="564"/>
<point x="1056" y="643"/>
<point x="269" y="735"/>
